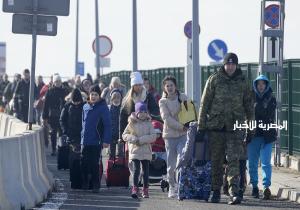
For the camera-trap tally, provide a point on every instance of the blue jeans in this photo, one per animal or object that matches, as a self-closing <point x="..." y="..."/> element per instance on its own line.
<point x="258" y="149"/>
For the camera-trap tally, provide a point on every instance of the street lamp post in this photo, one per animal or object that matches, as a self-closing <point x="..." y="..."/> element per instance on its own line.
<point x="134" y="36"/>
<point x="97" y="39"/>
<point x="197" y="90"/>
<point x="77" y="28"/>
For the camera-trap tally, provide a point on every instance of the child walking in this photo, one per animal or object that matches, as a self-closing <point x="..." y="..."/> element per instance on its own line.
<point x="95" y="135"/>
<point x="114" y="109"/>
<point x="260" y="146"/>
<point x="139" y="134"/>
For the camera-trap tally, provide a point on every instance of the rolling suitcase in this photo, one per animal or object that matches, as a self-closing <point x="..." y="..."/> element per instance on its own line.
<point x="117" y="171"/>
<point x="75" y="166"/>
<point x="62" y="153"/>
<point x="195" y="177"/>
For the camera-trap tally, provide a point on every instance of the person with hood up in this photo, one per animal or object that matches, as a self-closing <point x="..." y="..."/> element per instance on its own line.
<point x="71" y="125"/>
<point x="95" y="135"/>
<point x="260" y="147"/>
<point x="139" y="133"/>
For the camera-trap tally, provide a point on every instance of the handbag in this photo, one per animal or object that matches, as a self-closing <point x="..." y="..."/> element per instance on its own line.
<point x="187" y="112"/>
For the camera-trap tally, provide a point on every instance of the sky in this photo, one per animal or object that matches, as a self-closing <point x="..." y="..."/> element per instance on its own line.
<point x="161" y="40"/>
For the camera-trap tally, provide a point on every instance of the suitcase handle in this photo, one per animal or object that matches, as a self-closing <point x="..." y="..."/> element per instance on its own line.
<point x="124" y="158"/>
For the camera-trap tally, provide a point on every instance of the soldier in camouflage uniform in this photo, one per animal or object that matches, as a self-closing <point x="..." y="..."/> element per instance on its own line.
<point x="226" y="98"/>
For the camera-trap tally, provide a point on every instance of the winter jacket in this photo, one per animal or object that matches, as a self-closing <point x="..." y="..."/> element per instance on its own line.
<point x="154" y="93"/>
<point x="71" y="121"/>
<point x="54" y="103"/>
<point x="144" y="132"/>
<point x="96" y="124"/>
<point x="265" y="108"/>
<point x="128" y="108"/>
<point x="21" y="99"/>
<point x="3" y="85"/>
<point x="9" y="91"/>
<point x="225" y="100"/>
<point x="169" y="109"/>
<point x="115" y="116"/>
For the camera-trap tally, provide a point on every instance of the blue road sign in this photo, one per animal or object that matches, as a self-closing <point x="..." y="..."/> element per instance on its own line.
<point x="80" y="68"/>
<point x="217" y="49"/>
<point x="272" y="15"/>
<point x="188" y="29"/>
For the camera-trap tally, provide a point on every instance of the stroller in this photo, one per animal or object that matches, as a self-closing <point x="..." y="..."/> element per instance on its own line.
<point x="158" y="164"/>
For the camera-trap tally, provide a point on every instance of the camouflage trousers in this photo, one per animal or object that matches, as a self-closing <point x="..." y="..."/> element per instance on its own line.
<point x="221" y="144"/>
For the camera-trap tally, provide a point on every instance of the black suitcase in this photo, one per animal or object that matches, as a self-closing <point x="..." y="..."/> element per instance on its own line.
<point x="75" y="167"/>
<point x="62" y="153"/>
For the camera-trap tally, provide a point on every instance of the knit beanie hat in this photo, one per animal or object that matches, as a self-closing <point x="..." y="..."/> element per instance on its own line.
<point x="95" y="88"/>
<point x="136" y="78"/>
<point x="231" y="58"/>
<point x="140" y="107"/>
<point x="115" y="90"/>
<point x="76" y="95"/>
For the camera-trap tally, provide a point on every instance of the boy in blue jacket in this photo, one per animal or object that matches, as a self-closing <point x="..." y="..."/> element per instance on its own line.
<point x="260" y="147"/>
<point x="95" y="135"/>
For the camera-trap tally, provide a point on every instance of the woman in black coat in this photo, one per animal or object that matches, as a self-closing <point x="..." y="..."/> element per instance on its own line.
<point x="71" y="124"/>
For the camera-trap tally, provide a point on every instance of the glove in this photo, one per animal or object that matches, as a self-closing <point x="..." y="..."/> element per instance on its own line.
<point x="200" y="135"/>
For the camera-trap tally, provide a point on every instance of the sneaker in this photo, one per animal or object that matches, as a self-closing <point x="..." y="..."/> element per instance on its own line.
<point x="236" y="199"/>
<point x="216" y="197"/>
<point x="145" y="193"/>
<point x="267" y="194"/>
<point x="172" y="192"/>
<point x="134" y="192"/>
<point x="255" y="192"/>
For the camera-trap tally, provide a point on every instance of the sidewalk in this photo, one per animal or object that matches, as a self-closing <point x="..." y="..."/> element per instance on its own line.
<point x="285" y="184"/>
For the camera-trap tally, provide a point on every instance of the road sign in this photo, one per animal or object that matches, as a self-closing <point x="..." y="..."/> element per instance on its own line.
<point x="80" y="68"/>
<point x="46" y="25"/>
<point x="105" y="45"/>
<point x="217" y="49"/>
<point x="104" y="62"/>
<point x="272" y="49"/>
<point x="272" y="15"/>
<point x="45" y="7"/>
<point x="188" y="29"/>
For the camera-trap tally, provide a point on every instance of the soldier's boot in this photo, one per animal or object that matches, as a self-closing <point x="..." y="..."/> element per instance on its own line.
<point x="216" y="197"/>
<point x="235" y="199"/>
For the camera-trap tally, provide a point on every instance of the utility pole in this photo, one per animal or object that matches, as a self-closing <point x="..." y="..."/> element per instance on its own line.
<point x="134" y="36"/>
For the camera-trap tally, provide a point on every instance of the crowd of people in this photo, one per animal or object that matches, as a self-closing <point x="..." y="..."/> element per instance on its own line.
<point x="92" y="116"/>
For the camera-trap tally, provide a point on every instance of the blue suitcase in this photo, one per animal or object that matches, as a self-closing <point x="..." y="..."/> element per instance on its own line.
<point x="195" y="178"/>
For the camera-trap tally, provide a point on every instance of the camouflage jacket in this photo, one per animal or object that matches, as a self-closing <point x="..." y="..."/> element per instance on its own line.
<point x="225" y="100"/>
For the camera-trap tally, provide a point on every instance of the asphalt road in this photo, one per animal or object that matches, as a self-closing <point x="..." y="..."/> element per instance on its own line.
<point x="119" y="198"/>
